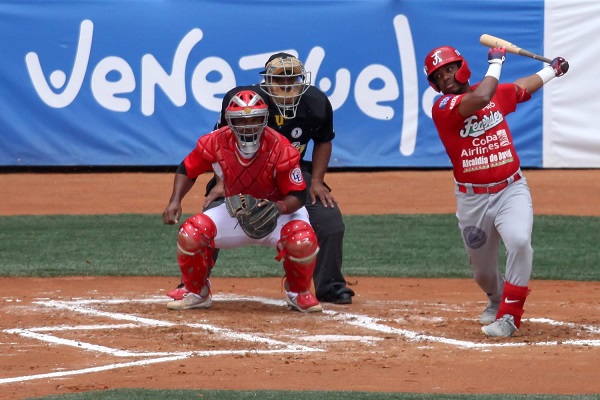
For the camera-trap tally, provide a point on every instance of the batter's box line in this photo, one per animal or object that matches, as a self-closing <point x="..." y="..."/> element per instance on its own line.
<point x="376" y="324"/>
<point x="588" y="328"/>
<point x="225" y="333"/>
<point x="139" y="322"/>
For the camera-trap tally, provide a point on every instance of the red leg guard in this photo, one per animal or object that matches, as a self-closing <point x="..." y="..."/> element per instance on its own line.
<point x="298" y="247"/>
<point x="513" y="301"/>
<point x="195" y="245"/>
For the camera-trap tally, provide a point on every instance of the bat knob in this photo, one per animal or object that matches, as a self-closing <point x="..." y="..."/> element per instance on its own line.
<point x="560" y="66"/>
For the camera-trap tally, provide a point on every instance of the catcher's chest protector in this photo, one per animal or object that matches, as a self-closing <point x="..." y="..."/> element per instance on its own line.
<point x="255" y="176"/>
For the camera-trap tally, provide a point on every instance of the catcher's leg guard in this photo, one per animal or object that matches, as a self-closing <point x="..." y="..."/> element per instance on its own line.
<point x="298" y="246"/>
<point x="195" y="244"/>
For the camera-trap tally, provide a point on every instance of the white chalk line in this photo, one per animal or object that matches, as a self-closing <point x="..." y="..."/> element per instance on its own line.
<point x="376" y="325"/>
<point x="363" y="321"/>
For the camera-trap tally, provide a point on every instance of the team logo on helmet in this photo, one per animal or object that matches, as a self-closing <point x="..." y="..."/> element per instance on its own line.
<point x="436" y="58"/>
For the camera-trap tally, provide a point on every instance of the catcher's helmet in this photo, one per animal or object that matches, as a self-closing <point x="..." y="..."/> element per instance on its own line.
<point x="247" y="115"/>
<point x="441" y="56"/>
<point x="285" y="81"/>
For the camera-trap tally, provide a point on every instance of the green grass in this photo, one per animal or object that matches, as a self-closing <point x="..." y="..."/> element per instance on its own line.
<point x="424" y="246"/>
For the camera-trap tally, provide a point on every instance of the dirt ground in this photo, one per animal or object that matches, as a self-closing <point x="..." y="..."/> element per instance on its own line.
<point x="75" y="334"/>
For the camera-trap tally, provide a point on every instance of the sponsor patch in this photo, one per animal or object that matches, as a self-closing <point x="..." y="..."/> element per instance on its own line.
<point x="474" y="237"/>
<point x="453" y="102"/>
<point x="296" y="176"/>
<point x="443" y="102"/>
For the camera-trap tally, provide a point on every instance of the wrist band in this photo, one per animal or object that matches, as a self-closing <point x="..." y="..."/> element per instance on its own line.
<point x="494" y="70"/>
<point x="283" y="207"/>
<point x="547" y="73"/>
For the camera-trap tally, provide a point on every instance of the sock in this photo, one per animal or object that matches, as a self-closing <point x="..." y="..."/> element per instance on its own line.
<point x="513" y="301"/>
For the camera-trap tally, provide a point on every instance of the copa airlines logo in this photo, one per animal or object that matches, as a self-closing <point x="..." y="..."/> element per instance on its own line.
<point x="58" y="89"/>
<point x="476" y="128"/>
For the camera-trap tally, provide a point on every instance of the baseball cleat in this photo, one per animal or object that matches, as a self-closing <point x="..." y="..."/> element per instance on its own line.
<point x="337" y="295"/>
<point x="489" y="314"/>
<point x="190" y="300"/>
<point x="305" y="302"/>
<point x="178" y="292"/>
<point x="181" y="290"/>
<point x="502" y="327"/>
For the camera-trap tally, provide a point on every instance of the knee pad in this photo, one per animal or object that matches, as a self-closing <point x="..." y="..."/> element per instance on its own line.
<point x="195" y="234"/>
<point x="298" y="242"/>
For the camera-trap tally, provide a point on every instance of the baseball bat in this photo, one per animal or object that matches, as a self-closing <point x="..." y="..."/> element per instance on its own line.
<point x="493" y="41"/>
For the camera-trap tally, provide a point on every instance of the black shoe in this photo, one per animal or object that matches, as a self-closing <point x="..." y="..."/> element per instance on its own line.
<point x="338" y="295"/>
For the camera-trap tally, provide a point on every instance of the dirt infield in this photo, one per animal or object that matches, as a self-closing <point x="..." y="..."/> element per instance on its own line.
<point x="75" y="334"/>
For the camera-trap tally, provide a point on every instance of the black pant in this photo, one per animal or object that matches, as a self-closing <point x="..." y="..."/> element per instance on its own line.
<point x="329" y="227"/>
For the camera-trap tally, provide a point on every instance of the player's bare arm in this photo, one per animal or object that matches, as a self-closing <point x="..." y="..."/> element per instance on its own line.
<point x="321" y="156"/>
<point x="483" y="93"/>
<point x="217" y="191"/>
<point x="291" y="202"/>
<point x="478" y="98"/>
<point x="181" y="186"/>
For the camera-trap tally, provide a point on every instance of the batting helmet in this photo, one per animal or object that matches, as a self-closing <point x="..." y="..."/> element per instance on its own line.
<point x="241" y="115"/>
<point x="441" y="56"/>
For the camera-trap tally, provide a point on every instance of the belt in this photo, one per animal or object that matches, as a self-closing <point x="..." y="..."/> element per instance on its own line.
<point x="488" y="189"/>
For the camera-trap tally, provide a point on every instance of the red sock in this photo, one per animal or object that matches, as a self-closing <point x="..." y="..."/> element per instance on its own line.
<point x="513" y="301"/>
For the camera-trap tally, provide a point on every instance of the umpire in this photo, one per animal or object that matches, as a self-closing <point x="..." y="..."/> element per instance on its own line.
<point x="301" y="113"/>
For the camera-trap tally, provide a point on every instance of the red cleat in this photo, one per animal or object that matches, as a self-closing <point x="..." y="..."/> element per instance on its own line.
<point x="305" y="302"/>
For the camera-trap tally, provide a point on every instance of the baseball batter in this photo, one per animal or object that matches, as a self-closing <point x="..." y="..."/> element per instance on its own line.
<point x="493" y="199"/>
<point x="250" y="159"/>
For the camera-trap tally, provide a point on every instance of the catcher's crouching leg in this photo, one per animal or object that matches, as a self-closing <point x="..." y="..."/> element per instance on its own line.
<point x="298" y="247"/>
<point x="195" y="245"/>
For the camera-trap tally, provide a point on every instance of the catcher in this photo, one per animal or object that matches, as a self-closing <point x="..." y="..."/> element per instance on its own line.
<point x="265" y="193"/>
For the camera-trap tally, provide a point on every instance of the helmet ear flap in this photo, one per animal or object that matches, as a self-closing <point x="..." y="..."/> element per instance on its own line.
<point x="464" y="73"/>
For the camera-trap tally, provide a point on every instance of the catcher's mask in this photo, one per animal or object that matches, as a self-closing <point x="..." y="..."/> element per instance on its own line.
<point x="441" y="56"/>
<point x="285" y="81"/>
<point x="247" y="115"/>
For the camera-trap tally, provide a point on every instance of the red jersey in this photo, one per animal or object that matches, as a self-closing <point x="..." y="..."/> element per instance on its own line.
<point x="272" y="173"/>
<point x="480" y="146"/>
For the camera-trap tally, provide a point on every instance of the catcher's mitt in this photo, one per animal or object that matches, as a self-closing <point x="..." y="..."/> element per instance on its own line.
<point x="257" y="217"/>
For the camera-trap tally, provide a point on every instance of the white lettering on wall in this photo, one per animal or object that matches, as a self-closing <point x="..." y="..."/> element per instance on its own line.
<point x="115" y="94"/>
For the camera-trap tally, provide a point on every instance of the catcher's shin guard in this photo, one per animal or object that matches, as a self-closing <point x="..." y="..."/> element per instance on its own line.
<point x="298" y="246"/>
<point x="195" y="245"/>
<point x="513" y="301"/>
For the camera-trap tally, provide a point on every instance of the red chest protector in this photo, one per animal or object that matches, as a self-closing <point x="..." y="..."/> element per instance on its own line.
<point x="256" y="176"/>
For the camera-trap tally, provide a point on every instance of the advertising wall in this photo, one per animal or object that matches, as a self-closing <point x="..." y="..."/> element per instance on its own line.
<point x="135" y="83"/>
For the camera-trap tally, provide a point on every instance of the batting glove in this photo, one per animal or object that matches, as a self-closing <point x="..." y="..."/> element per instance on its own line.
<point x="496" y="55"/>
<point x="560" y="66"/>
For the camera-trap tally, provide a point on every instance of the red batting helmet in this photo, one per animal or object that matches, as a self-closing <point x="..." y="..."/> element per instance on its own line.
<point x="441" y="56"/>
